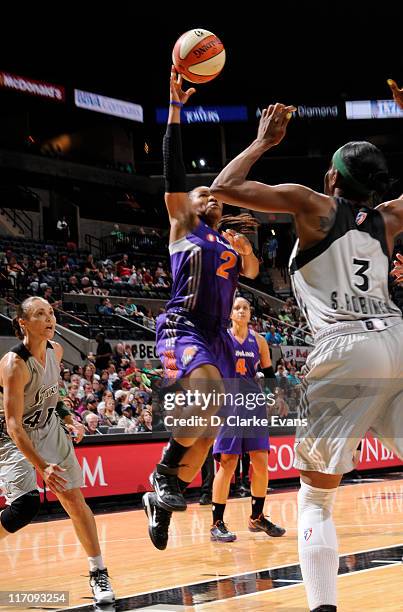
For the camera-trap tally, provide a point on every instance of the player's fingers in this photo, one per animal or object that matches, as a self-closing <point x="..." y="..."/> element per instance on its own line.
<point x="57" y="468"/>
<point x="393" y="85"/>
<point x="289" y="110"/>
<point x="56" y="478"/>
<point x="399" y="256"/>
<point x="270" y="111"/>
<point x="279" y="113"/>
<point x="56" y="487"/>
<point x="284" y="117"/>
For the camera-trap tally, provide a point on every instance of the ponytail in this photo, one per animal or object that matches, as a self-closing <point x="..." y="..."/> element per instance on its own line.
<point x="17" y="328"/>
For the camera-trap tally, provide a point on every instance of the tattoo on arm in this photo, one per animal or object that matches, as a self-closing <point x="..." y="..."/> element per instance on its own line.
<point x="326" y="223"/>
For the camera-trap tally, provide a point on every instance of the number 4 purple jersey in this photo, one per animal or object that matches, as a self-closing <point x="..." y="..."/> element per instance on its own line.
<point x="205" y="270"/>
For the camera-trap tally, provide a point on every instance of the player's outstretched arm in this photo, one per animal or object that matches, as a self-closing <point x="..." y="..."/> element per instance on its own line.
<point x="176" y="197"/>
<point x="232" y="186"/>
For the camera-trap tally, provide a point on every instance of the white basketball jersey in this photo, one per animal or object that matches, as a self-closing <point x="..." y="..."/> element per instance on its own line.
<point x="345" y="276"/>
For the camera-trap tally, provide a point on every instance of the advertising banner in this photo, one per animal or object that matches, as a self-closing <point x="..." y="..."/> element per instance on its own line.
<point x="309" y="111"/>
<point x="144" y="349"/>
<point x="206" y="114"/>
<point x="299" y="353"/>
<point x="373" y="109"/>
<point x="108" y="106"/>
<point x="30" y="86"/>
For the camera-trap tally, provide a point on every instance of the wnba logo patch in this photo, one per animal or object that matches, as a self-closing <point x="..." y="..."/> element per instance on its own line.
<point x="307" y="534"/>
<point x="360" y="218"/>
<point x="188" y="354"/>
<point x="211" y="237"/>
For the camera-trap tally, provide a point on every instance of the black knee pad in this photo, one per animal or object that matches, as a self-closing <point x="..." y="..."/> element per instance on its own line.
<point x="21" y="511"/>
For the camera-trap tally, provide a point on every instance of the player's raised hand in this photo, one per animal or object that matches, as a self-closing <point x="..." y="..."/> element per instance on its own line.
<point x="397" y="93"/>
<point x="273" y="123"/>
<point x="177" y="94"/>
<point x="397" y="270"/>
<point x="239" y="242"/>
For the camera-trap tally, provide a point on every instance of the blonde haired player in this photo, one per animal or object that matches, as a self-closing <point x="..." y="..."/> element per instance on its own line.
<point x="339" y="269"/>
<point x="32" y="436"/>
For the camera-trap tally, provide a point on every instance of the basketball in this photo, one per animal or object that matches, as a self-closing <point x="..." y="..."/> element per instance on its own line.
<point x="198" y="55"/>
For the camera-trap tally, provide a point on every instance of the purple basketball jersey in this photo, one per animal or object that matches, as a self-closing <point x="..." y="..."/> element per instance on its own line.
<point x="205" y="270"/>
<point x="233" y="440"/>
<point x="247" y="356"/>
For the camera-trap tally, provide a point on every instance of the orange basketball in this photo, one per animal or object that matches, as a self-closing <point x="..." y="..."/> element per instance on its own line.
<point x="199" y="56"/>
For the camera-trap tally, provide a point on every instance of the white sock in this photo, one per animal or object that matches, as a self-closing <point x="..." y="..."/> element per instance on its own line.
<point x="96" y="563"/>
<point x="317" y="544"/>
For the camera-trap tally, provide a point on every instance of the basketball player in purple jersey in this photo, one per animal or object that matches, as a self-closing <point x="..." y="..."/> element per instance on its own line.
<point x="192" y="339"/>
<point x="251" y="352"/>
<point x="339" y="270"/>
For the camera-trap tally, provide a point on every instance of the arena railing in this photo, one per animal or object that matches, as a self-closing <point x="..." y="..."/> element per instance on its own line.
<point x="137" y="324"/>
<point x="266" y="296"/>
<point x="285" y="324"/>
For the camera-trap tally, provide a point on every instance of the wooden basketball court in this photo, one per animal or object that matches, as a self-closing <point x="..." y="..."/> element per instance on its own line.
<point x="255" y="573"/>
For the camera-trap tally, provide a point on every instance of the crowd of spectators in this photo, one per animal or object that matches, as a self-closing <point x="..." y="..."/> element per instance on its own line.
<point x="110" y="393"/>
<point x="282" y="327"/>
<point x="30" y="267"/>
<point x="127" y="308"/>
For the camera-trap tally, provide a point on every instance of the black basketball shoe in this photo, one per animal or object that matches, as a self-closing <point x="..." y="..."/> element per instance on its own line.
<point x="158" y="521"/>
<point x="220" y="533"/>
<point x="164" y="480"/>
<point x="263" y="524"/>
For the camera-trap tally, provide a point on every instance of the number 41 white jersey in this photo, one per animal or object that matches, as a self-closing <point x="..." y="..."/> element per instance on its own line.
<point x="41" y="393"/>
<point x="345" y="276"/>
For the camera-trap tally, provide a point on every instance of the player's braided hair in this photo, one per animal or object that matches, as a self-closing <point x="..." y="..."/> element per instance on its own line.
<point x="243" y="223"/>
